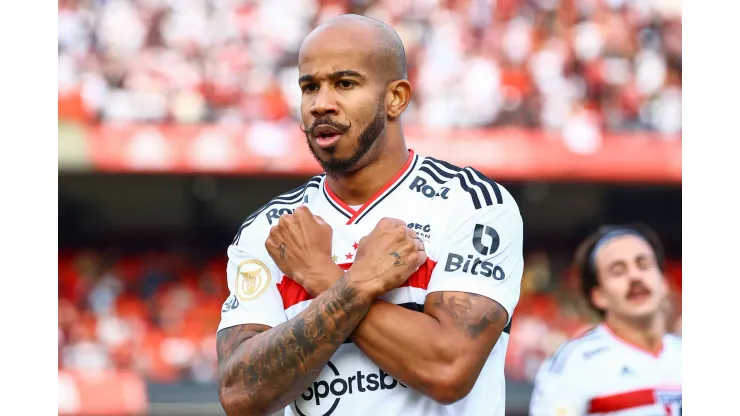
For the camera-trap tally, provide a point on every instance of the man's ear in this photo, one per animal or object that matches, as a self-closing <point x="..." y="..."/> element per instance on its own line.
<point x="398" y="97"/>
<point x="598" y="298"/>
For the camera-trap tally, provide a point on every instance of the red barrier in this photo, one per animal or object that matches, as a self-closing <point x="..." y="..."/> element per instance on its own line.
<point x="503" y="154"/>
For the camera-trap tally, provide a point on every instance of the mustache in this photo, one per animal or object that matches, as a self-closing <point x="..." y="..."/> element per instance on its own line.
<point x="341" y="128"/>
<point x="637" y="288"/>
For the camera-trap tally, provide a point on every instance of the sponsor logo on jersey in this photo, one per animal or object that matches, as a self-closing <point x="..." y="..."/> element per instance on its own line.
<point x="485" y="241"/>
<point x="423" y="231"/>
<point x="275" y="213"/>
<point x="473" y="265"/>
<point x="252" y="279"/>
<point x="327" y="391"/>
<point x="419" y="184"/>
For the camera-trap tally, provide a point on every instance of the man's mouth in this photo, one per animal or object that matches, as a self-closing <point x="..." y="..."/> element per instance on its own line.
<point x="326" y="136"/>
<point x="639" y="294"/>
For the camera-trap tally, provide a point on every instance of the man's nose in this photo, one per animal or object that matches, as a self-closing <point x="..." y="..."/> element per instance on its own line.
<point x="635" y="274"/>
<point x="325" y="104"/>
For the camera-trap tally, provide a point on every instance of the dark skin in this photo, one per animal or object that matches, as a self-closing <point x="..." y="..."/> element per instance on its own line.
<point x="344" y="76"/>
<point x="352" y="51"/>
<point x="458" y="330"/>
<point x="262" y="369"/>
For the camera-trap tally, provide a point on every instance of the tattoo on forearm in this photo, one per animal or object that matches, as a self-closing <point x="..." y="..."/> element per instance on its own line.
<point x="398" y="261"/>
<point x="281" y="249"/>
<point x="473" y="313"/>
<point x="280" y="363"/>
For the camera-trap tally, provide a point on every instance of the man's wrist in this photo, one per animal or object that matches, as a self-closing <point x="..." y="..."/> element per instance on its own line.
<point x="365" y="284"/>
<point x="322" y="278"/>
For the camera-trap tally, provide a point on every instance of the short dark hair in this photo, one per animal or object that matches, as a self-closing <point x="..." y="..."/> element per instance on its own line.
<point x="586" y="265"/>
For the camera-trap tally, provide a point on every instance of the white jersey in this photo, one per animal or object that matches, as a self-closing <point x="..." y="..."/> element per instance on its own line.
<point x="600" y="374"/>
<point x="472" y="233"/>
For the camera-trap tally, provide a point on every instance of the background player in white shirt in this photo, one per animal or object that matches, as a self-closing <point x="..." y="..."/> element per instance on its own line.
<point x="628" y="365"/>
<point x="417" y="325"/>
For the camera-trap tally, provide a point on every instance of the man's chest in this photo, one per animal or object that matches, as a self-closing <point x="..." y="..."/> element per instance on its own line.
<point x="346" y="237"/>
<point x="634" y="383"/>
<point x="351" y="224"/>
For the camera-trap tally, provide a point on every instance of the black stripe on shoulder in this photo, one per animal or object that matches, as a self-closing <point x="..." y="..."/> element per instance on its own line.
<point x="439" y="171"/>
<point x="293" y="196"/>
<point x="485" y="179"/>
<point x="442" y="163"/>
<point x="433" y="175"/>
<point x="482" y="190"/>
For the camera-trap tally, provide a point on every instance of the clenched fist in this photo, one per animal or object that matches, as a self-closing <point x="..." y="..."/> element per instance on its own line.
<point x="300" y="245"/>
<point x="387" y="257"/>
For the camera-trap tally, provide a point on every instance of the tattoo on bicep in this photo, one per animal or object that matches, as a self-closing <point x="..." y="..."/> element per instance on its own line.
<point x="398" y="261"/>
<point x="281" y="249"/>
<point x="472" y="313"/>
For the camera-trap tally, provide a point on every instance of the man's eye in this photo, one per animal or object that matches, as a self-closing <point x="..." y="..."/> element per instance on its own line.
<point x="618" y="270"/>
<point x="309" y="87"/>
<point x="345" y="84"/>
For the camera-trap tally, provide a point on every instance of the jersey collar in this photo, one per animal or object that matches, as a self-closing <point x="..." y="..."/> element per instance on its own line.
<point x="654" y="354"/>
<point x="354" y="216"/>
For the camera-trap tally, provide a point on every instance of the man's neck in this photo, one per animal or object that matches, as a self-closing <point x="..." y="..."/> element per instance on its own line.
<point x="646" y="334"/>
<point x="358" y="187"/>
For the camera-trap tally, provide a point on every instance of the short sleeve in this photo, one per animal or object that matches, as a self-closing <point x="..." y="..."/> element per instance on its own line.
<point x="558" y="391"/>
<point x="482" y="254"/>
<point x="254" y="297"/>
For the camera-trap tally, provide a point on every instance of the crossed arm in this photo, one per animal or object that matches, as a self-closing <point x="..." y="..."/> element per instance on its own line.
<point x="262" y="369"/>
<point x="440" y="352"/>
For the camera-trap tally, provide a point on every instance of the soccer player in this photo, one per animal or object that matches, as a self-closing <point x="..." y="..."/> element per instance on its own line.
<point x="384" y="286"/>
<point x="628" y="365"/>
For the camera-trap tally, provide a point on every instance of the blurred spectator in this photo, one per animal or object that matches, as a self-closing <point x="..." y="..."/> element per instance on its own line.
<point x="577" y="66"/>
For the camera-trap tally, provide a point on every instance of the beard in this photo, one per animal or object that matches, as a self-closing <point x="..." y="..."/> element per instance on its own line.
<point x="335" y="167"/>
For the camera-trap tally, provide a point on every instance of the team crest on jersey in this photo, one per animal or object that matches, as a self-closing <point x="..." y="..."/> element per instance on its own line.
<point x="252" y="279"/>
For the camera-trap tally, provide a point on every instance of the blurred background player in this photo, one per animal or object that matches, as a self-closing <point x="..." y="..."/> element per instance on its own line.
<point x="177" y="117"/>
<point x="629" y="364"/>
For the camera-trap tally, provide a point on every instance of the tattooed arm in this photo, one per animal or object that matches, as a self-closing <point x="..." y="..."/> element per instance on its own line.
<point x="439" y="352"/>
<point x="470" y="297"/>
<point x="262" y="369"/>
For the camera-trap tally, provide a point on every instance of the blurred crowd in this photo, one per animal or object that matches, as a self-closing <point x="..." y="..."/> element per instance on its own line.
<point x="156" y="314"/>
<point x="561" y="65"/>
